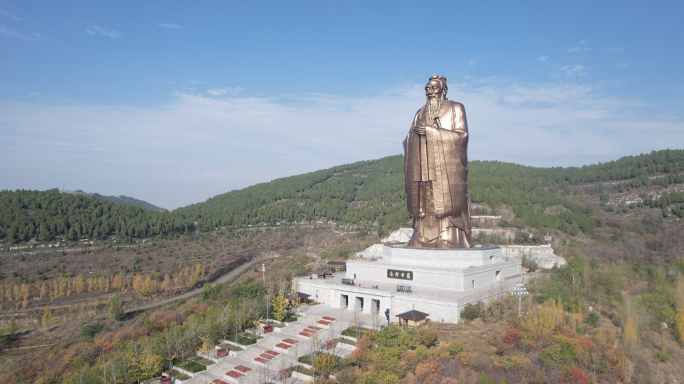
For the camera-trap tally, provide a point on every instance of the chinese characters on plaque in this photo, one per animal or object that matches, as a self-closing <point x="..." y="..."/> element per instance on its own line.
<point x="402" y="275"/>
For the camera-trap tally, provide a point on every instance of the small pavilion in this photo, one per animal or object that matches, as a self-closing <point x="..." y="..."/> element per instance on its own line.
<point x="412" y="318"/>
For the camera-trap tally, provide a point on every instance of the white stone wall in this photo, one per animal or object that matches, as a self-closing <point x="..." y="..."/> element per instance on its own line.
<point x="439" y="311"/>
<point x="442" y="258"/>
<point x="447" y="278"/>
<point x="542" y="254"/>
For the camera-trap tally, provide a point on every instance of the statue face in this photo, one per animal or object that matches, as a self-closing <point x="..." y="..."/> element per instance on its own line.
<point x="434" y="89"/>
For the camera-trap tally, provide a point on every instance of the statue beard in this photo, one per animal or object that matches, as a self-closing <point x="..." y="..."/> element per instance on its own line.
<point x="433" y="105"/>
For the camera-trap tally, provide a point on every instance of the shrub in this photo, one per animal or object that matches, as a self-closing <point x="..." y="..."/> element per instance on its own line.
<point x="427" y="337"/>
<point x="91" y="330"/>
<point x="513" y="335"/>
<point x="592" y="319"/>
<point x="470" y="312"/>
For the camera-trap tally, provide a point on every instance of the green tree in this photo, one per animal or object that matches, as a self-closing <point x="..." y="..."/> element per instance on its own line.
<point x="116" y="311"/>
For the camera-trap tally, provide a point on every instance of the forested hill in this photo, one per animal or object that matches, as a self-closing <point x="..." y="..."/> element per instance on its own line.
<point x="373" y="191"/>
<point x="50" y="215"/>
<point x="130" y="201"/>
<point x="365" y="194"/>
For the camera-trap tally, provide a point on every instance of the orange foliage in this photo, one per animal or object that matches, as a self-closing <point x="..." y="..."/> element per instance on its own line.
<point x="426" y="369"/>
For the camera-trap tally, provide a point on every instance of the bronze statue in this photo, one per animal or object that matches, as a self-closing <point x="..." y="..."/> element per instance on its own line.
<point x="436" y="171"/>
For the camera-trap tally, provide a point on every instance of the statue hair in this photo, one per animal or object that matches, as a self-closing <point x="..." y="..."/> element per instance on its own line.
<point x="441" y="79"/>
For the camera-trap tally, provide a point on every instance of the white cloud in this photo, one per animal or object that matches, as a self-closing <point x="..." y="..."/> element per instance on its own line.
<point x="195" y="82"/>
<point x="573" y="70"/>
<point x="95" y="29"/>
<point x="172" y="26"/>
<point x="221" y="91"/>
<point x="471" y="63"/>
<point x="10" y="15"/>
<point x="613" y="49"/>
<point x="543" y="58"/>
<point x="10" y="32"/>
<point x="196" y="147"/>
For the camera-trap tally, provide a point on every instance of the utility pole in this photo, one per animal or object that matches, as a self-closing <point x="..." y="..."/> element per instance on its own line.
<point x="263" y="271"/>
<point x="520" y="291"/>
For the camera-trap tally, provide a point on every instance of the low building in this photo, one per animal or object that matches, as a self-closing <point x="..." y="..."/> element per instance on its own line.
<point x="337" y="265"/>
<point x="321" y="274"/>
<point x="301" y="298"/>
<point x="412" y="318"/>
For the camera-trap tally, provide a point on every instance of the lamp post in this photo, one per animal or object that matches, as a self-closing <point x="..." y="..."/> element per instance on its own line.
<point x="520" y="291"/>
<point x="263" y="271"/>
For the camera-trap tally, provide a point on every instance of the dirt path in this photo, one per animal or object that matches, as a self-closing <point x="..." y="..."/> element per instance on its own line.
<point x="186" y="295"/>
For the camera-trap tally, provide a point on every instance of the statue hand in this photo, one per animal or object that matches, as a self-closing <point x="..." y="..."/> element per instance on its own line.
<point x="419" y="129"/>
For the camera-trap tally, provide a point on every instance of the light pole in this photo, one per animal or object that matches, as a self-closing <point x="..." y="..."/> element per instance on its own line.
<point x="263" y="271"/>
<point x="520" y="291"/>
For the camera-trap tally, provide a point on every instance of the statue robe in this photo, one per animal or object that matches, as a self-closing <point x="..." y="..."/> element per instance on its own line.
<point x="440" y="156"/>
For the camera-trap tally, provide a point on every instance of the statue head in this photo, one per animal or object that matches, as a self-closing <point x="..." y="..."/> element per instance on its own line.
<point x="436" y="87"/>
<point x="435" y="91"/>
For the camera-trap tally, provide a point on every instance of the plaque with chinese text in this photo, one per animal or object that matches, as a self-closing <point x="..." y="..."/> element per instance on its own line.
<point x="401" y="275"/>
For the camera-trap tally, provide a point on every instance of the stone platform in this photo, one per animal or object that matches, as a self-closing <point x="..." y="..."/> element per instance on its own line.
<point x="442" y="281"/>
<point x="452" y="269"/>
<point x="401" y="254"/>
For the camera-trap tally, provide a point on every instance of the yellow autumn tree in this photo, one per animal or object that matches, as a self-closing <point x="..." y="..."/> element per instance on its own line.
<point x="48" y="318"/>
<point x="78" y="284"/>
<point x="16" y="290"/>
<point x="542" y="320"/>
<point x="150" y="286"/>
<point x="165" y="284"/>
<point x="55" y="289"/>
<point x="176" y="281"/>
<point x="629" y="333"/>
<point x="92" y="284"/>
<point x="43" y="290"/>
<point x="62" y="286"/>
<point x="24" y="291"/>
<point x="116" y="282"/>
<point x="138" y="283"/>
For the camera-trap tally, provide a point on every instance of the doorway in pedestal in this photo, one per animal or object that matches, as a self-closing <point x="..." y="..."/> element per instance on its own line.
<point x="344" y="301"/>
<point x="375" y="305"/>
<point x="359" y="302"/>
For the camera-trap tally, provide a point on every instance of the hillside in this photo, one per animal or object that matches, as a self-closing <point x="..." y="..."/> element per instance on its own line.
<point x="370" y="193"/>
<point x="366" y="195"/>
<point x="130" y="201"/>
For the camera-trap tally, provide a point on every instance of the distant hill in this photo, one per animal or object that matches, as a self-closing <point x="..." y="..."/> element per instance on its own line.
<point x="370" y="193"/>
<point x="129" y="200"/>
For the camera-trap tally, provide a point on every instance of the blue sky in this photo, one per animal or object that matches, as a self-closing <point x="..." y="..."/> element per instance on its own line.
<point x="175" y="102"/>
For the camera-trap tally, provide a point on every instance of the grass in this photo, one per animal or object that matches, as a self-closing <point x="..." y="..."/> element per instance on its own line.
<point x="244" y="339"/>
<point x="202" y="360"/>
<point x="306" y="359"/>
<point x="303" y="370"/>
<point x="290" y="319"/>
<point x="231" y="347"/>
<point x="178" y="375"/>
<point x="192" y="366"/>
<point x="351" y="332"/>
<point x="312" y="303"/>
<point x="346" y="341"/>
